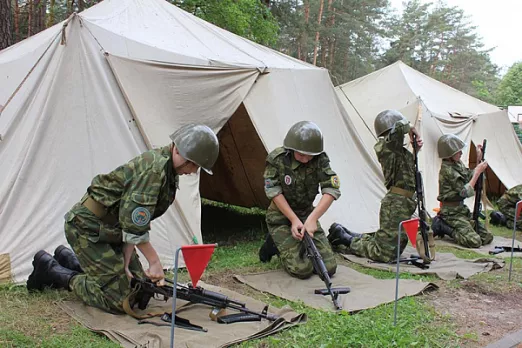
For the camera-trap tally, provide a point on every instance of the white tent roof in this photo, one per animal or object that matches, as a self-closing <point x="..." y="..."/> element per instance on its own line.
<point x="436" y="109"/>
<point x="117" y="80"/>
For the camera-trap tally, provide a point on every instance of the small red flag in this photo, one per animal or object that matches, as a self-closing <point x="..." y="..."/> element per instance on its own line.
<point x="519" y="209"/>
<point x="196" y="259"/>
<point x="411" y="227"/>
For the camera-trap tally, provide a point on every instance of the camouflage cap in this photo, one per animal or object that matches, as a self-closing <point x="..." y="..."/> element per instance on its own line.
<point x="448" y="145"/>
<point x="385" y="120"/>
<point x="304" y="137"/>
<point x="197" y="143"/>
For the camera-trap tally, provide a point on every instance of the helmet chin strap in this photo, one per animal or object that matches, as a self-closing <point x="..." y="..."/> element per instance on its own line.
<point x="181" y="166"/>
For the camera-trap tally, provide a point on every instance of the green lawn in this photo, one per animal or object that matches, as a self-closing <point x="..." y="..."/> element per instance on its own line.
<point x="34" y="320"/>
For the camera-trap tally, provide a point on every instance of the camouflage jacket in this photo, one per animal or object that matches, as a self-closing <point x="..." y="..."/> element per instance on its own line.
<point x="138" y="192"/>
<point x="513" y="195"/>
<point x="397" y="163"/>
<point x="299" y="182"/>
<point x="454" y="180"/>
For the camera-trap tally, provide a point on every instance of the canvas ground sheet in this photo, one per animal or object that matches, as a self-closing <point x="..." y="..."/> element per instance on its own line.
<point x="126" y="330"/>
<point x="446" y="266"/>
<point x="485" y="249"/>
<point x="365" y="291"/>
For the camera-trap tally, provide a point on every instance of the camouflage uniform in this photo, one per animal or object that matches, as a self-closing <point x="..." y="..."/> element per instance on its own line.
<point x="299" y="184"/>
<point x="454" y="186"/>
<point x="135" y="193"/>
<point x="398" y="167"/>
<point x="507" y="204"/>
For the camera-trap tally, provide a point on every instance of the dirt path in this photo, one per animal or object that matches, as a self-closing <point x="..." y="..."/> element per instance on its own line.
<point x="478" y="309"/>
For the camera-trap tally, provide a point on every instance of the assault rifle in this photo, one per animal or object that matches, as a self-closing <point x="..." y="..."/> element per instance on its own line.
<point x="148" y="290"/>
<point x="477" y="208"/>
<point x="501" y="249"/>
<point x="419" y="189"/>
<point x="322" y="272"/>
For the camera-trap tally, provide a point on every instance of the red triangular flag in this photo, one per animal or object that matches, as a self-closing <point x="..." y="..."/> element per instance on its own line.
<point x="411" y="227"/>
<point x="519" y="209"/>
<point x="196" y="259"/>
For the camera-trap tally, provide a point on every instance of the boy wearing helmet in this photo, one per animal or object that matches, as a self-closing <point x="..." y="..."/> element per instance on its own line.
<point x="293" y="174"/>
<point x="113" y="218"/>
<point x="456" y="183"/>
<point x="398" y="204"/>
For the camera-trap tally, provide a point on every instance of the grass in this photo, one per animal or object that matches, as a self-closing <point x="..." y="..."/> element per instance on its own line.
<point x="34" y="320"/>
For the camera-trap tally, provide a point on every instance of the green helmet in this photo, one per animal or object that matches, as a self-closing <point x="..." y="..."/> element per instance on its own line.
<point x="304" y="137"/>
<point x="448" y="145"/>
<point x="385" y="120"/>
<point x="197" y="143"/>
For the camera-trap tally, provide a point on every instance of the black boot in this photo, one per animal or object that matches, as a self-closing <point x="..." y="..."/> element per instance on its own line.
<point x="497" y="218"/>
<point x="48" y="272"/>
<point x="340" y="235"/>
<point x="441" y="228"/>
<point x="268" y="249"/>
<point x="67" y="258"/>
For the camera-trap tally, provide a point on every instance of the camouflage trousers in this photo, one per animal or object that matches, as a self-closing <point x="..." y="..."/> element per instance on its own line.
<point x="381" y="246"/>
<point x="99" y="249"/>
<point x="508" y="209"/>
<point x="460" y="220"/>
<point x="291" y="251"/>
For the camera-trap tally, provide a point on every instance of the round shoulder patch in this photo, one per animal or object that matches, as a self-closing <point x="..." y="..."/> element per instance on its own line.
<point x="335" y="181"/>
<point x="288" y="180"/>
<point x="140" y="216"/>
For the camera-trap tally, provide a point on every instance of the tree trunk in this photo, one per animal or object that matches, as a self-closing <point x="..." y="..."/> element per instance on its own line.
<point x="331" y="46"/>
<point x="38" y="25"/>
<point x="50" y="19"/>
<point x="326" y="45"/>
<point x="324" y="48"/>
<point x="69" y="7"/>
<point x="319" y="17"/>
<point x="43" y="12"/>
<point x="331" y="55"/>
<point x="80" y="5"/>
<point x="304" y="36"/>
<point x="30" y="18"/>
<point x="16" y="21"/>
<point x="5" y="23"/>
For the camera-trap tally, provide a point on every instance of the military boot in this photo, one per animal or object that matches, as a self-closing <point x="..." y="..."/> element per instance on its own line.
<point x="67" y="258"/>
<point x="268" y="249"/>
<point x="441" y="228"/>
<point x="497" y="218"/>
<point x="340" y="235"/>
<point x="48" y="272"/>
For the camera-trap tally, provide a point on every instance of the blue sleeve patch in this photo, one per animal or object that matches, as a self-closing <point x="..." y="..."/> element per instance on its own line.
<point x="269" y="183"/>
<point x="140" y="216"/>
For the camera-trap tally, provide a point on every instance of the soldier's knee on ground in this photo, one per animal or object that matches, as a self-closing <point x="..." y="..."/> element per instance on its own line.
<point x="302" y="271"/>
<point x="470" y="241"/>
<point x="486" y="238"/>
<point x="331" y="267"/>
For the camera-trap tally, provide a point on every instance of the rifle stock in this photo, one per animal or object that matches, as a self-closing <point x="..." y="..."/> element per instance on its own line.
<point x="477" y="207"/>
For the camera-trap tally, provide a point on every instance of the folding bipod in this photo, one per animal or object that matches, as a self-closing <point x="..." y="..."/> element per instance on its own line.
<point x="196" y="260"/>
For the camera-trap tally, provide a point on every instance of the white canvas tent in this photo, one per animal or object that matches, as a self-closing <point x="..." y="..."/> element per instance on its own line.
<point x="515" y="113"/>
<point x="435" y="109"/>
<point x="90" y="93"/>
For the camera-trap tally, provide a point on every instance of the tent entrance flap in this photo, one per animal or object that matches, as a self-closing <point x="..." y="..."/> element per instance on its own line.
<point x="238" y="172"/>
